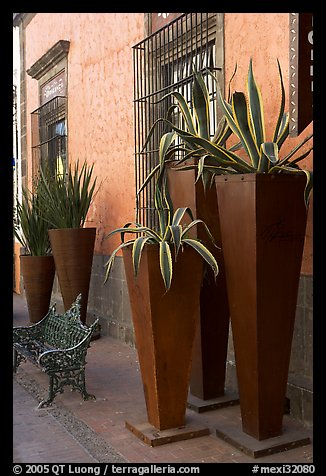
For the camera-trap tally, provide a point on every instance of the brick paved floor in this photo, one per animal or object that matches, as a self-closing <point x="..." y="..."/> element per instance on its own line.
<point x="38" y="437"/>
<point x="112" y="374"/>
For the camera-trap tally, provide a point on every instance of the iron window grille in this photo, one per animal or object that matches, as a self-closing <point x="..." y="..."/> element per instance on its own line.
<point x="163" y="62"/>
<point x="49" y="136"/>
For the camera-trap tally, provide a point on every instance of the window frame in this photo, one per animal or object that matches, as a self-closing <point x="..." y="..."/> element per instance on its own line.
<point x="182" y="39"/>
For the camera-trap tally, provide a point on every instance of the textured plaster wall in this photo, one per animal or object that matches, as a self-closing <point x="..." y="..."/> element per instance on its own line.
<point x="100" y="104"/>
<point x="100" y="92"/>
<point x="264" y="37"/>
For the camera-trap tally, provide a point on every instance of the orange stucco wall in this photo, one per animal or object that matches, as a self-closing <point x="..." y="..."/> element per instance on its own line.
<point x="100" y="107"/>
<point x="264" y="37"/>
<point x="100" y="92"/>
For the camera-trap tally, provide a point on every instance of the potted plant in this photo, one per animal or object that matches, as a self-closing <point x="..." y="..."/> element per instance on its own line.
<point x="207" y="382"/>
<point x="164" y="269"/>
<point x="262" y="201"/>
<point x="68" y="200"/>
<point x="37" y="264"/>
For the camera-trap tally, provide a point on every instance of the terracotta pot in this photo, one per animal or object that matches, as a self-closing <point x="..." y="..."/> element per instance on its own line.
<point x="38" y="275"/>
<point x="73" y="250"/>
<point x="210" y="349"/>
<point x="263" y="221"/>
<point x="165" y="325"/>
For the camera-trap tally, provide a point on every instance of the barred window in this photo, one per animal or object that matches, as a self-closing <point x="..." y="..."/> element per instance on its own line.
<point x="49" y="121"/>
<point x="49" y="136"/>
<point x="163" y="62"/>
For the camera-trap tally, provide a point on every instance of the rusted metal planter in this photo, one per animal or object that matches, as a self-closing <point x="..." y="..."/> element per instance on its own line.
<point x="165" y="325"/>
<point x="73" y="250"/>
<point x="38" y="275"/>
<point x="263" y="221"/>
<point x="210" y="348"/>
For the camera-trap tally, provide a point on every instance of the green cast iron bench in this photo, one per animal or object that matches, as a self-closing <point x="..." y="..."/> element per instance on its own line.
<point x="57" y="345"/>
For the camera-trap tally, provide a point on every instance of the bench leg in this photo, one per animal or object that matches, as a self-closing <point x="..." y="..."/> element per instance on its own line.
<point x="81" y="386"/>
<point x="52" y="392"/>
<point x="17" y="359"/>
<point x="58" y="380"/>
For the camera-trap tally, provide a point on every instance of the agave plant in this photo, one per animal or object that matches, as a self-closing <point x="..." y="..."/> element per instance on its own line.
<point x="68" y="200"/>
<point x="244" y="117"/>
<point x="171" y="236"/>
<point x="29" y="228"/>
<point x="196" y="120"/>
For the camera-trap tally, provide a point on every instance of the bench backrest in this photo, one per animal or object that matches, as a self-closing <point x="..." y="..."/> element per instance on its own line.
<point x="65" y="330"/>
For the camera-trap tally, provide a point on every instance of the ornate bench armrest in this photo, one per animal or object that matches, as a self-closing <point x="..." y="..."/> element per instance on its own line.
<point x="27" y="333"/>
<point x="57" y="360"/>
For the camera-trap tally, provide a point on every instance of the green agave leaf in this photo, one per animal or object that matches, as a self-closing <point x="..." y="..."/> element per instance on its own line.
<point x="287" y="158"/>
<point x="270" y="149"/>
<point x="227" y="111"/>
<point x="309" y="186"/>
<point x="179" y="214"/>
<point x="165" y="144"/>
<point x="223" y="156"/>
<point x="235" y="147"/>
<point x="255" y="109"/>
<point x="137" y="229"/>
<point x="278" y="128"/>
<point x="168" y="208"/>
<point x="176" y="232"/>
<point x="68" y="201"/>
<point x="185" y="111"/>
<point x="301" y="157"/>
<point x="200" y="100"/>
<point x="194" y="153"/>
<point x="159" y="207"/>
<point x="151" y="131"/>
<point x="166" y="264"/>
<point x="216" y="170"/>
<point x="109" y="264"/>
<point x="223" y="132"/>
<point x="309" y="175"/>
<point x="200" y="166"/>
<point x="240" y="116"/>
<point x="137" y="249"/>
<point x="194" y="223"/>
<point x="30" y="228"/>
<point x="268" y="155"/>
<point x="283" y="131"/>
<point x="149" y="177"/>
<point x="204" y="252"/>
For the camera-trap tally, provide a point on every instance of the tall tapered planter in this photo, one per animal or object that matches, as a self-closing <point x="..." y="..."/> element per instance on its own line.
<point x="73" y="250"/>
<point x="165" y="325"/>
<point x="210" y="348"/>
<point x="263" y="221"/>
<point x="38" y="275"/>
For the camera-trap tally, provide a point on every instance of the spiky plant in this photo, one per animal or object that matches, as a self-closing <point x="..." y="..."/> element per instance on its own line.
<point x="244" y="116"/>
<point x="196" y="121"/>
<point x="68" y="199"/>
<point x="171" y="236"/>
<point x="29" y="228"/>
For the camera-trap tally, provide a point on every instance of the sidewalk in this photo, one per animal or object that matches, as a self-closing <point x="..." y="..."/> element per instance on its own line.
<point x="77" y="431"/>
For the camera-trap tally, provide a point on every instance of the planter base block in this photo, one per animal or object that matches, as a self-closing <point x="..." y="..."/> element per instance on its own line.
<point x="199" y="405"/>
<point x="230" y="430"/>
<point x="154" y="437"/>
